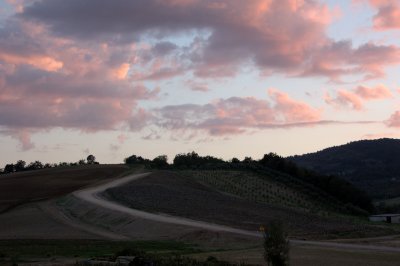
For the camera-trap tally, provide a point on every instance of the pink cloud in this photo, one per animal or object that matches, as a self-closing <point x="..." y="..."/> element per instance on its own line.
<point x="23" y="136"/>
<point x="121" y="72"/>
<point x="378" y="92"/>
<point x="340" y="59"/>
<point x="356" y="98"/>
<point x="292" y="110"/>
<point x="394" y="120"/>
<point x="235" y="115"/>
<point x="67" y="64"/>
<point x="227" y="35"/>
<point x="388" y="14"/>
<point x="41" y="62"/>
<point x="52" y="82"/>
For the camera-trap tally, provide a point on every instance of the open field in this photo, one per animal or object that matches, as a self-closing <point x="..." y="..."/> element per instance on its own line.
<point x="178" y="195"/>
<point x="38" y="185"/>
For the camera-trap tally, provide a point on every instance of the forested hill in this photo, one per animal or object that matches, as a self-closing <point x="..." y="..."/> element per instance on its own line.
<point x="371" y="165"/>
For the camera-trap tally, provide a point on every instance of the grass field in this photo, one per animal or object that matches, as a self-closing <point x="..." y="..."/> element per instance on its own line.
<point x="23" y="187"/>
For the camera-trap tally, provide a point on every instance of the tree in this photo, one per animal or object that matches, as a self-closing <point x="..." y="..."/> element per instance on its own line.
<point x="9" y="168"/>
<point x="192" y="160"/>
<point x="248" y="160"/>
<point x="20" y="166"/>
<point x="133" y="159"/>
<point x="160" y="161"/>
<point x="81" y="162"/>
<point x="235" y="160"/>
<point x="276" y="244"/>
<point x="91" y="159"/>
<point x="35" y="165"/>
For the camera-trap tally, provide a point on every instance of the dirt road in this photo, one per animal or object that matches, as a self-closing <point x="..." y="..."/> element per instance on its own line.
<point x="93" y="195"/>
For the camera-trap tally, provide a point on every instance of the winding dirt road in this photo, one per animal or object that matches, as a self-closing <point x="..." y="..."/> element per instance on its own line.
<point x="93" y="195"/>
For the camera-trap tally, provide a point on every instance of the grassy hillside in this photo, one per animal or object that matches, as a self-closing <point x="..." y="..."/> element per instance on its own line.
<point x="22" y="187"/>
<point x="238" y="199"/>
<point x="371" y="165"/>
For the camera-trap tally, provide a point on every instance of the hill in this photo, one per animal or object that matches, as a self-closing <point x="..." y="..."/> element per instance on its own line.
<point x="371" y="165"/>
<point x="38" y="185"/>
<point x="242" y="199"/>
<point x="289" y="176"/>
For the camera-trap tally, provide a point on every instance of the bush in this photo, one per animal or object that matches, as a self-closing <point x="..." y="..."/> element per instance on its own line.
<point x="276" y="245"/>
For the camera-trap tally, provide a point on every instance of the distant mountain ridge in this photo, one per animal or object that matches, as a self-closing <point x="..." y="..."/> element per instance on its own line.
<point x="371" y="165"/>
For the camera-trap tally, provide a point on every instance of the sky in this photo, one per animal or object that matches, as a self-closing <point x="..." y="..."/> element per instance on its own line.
<point x="228" y="78"/>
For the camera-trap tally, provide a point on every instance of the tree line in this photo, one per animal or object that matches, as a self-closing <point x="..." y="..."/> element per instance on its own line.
<point x="21" y="165"/>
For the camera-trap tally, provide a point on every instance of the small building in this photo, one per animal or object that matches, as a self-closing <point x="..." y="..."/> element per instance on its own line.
<point x="393" y="218"/>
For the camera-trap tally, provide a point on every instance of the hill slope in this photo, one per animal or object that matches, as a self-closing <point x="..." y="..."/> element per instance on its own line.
<point x="240" y="199"/>
<point x="371" y="165"/>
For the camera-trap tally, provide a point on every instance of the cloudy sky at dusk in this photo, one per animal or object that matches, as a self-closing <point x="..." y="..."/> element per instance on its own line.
<point x="224" y="77"/>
